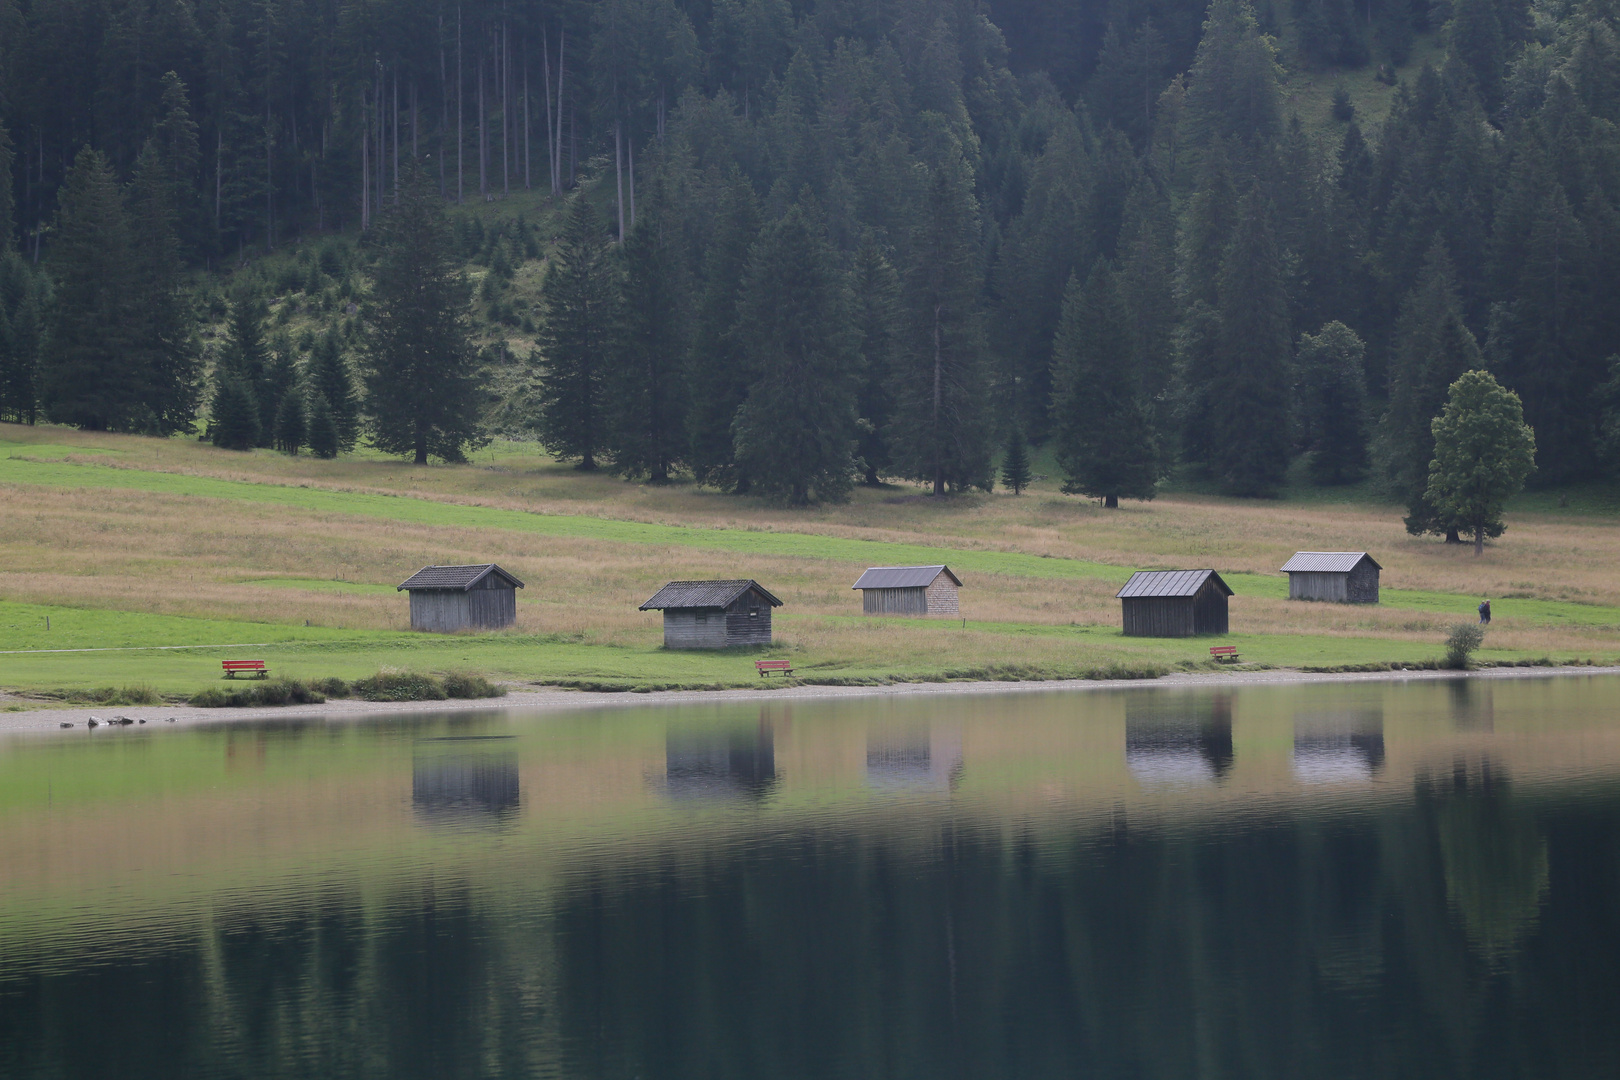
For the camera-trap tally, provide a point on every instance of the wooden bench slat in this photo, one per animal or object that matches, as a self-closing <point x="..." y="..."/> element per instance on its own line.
<point x="257" y="667"/>
<point x="765" y="667"/>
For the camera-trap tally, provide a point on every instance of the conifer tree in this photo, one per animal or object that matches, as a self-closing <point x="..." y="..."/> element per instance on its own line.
<point x="581" y="314"/>
<point x="324" y="439"/>
<point x="422" y="387"/>
<point x="1431" y="350"/>
<point x="23" y="298"/>
<point x="162" y="330"/>
<point x="1331" y="370"/>
<point x="1249" y="389"/>
<point x="877" y="311"/>
<point x="1015" y="472"/>
<point x="1232" y="88"/>
<point x="1102" y="426"/>
<point x="233" y="414"/>
<point x="8" y="206"/>
<point x="86" y="378"/>
<point x="647" y="391"/>
<point x="245" y="356"/>
<point x="941" y="431"/>
<point x="331" y="382"/>
<point x="796" y="431"/>
<point x="291" y="431"/>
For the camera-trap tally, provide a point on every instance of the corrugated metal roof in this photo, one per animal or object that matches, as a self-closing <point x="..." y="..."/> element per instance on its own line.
<point x="454" y="577"/>
<point x="1169" y="583"/>
<point x="1326" y="562"/>
<point x="704" y="594"/>
<point x="902" y="577"/>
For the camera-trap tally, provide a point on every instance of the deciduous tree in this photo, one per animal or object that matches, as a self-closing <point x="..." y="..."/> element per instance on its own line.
<point x="1483" y="452"/>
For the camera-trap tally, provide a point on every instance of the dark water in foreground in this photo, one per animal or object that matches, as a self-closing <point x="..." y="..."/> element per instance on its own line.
<point x="1361" y="880"/>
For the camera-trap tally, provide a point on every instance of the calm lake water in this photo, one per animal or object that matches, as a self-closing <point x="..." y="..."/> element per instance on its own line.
<point x="1373" y="879"/>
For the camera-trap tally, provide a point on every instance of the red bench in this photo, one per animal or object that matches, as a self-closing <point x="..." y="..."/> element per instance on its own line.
<point x="255" y="668"/>
<point x="780" y="667"/>
<point x="1224" y="654"/>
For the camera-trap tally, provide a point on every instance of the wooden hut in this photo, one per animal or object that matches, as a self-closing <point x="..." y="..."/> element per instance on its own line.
<point x="909" y="590"/>
<point x="1346" y="577"/>
<point x="714" y="614"/>
<point x="449" y="598"/>
<point x="1174" y="603"/>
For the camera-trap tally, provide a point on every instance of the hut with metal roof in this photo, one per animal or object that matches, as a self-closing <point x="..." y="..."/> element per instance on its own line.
<point x="1174" y="603"/>
<point x="449" y="598"/>
<point x="1345" y="577"/>
<point x="909" y="590"/>
<point x="714" y="614"/>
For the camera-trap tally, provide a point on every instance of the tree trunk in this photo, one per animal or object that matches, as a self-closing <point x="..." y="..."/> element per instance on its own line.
<point x="551" y="134"/>
<point x="939" y="378"/>
<point x="1479" y="540"/>
<point x="527" y="183"/>
<point x="483" y="131"/>
<point x="1111" y="502"/>
<point x="421" y="450"/>
<point x="460" y="88"/>
<point x="444" y="108"/>
<point x="630" y="148"/>
<point x="562" y="44"/>
<point x="1452" y="537"/>
<point x="618" y="175"/>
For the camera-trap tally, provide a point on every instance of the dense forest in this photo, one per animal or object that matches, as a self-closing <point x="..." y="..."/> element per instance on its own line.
<point x="803" y="245"/>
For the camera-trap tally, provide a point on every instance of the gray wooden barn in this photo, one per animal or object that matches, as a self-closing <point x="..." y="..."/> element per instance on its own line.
<point x="1174" y="603"/>
<point x="714" y="614"/>
<point x="1347" y="577"/>
<point x="909" y="590"/>
<point x="449" y="598"/>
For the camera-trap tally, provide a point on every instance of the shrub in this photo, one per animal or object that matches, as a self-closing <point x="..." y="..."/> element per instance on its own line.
<point x="1462" y="640"/>
<point x="399" y="686"/>
<point x="1344" y="110"/>
<point x="278" y="692"/>
<point x="459" y="684"/>
<point x="115" y="695"/>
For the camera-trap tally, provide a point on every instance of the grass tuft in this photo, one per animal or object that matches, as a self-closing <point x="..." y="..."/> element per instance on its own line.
<point x="276" y="692"/>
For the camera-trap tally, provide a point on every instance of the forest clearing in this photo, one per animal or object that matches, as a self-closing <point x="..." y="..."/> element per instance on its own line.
<point x="132" y="543"/>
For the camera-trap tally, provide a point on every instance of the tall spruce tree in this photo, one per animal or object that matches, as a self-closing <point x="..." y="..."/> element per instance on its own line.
<point x="1250" y="388"/>
<point x="941" y="428"/>
<point x="8" y="203"/>
<point x="647" y="391"/>
<point x="877" y="313"/>
<point x="23" y="302"/>
<point x="292" y="429"/>
<point x="162" y="331"/>
<point x="87" y="378"/>
<point x="422" y="387"/>
<point x="327" y="372"/>
<point x="1015" y="472"/>
<point x="245" y="359"/>
<point x="1431" y="350"/>
<point x="1102" y="425"/>
<point x="1331" y="366"/>
<point x="324" y="441"/>
<point x="581" y="297"/>
<point x="796" y="431"/>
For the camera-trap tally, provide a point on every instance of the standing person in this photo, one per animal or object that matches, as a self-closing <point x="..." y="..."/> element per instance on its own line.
<point x="1484" y="613"/>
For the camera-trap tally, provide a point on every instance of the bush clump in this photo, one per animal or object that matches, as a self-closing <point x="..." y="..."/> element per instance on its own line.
<point x="399" y="686"/>
<point x="114" y="695"/>
<point x="1461" y="641"/>
<point x="278" y="692"/>
<point x="460" y="684"/>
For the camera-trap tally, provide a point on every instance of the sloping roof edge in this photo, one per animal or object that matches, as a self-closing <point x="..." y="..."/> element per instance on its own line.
<point x="901" y="577"/>
<point x="458" y="578"/>
<point x="720" y="597"/>
<point x="1169" y="583"/>
<point x="1326" y="562"/>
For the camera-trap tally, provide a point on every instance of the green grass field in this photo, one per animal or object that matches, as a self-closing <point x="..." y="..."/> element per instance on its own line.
<point x="160" y="558"/>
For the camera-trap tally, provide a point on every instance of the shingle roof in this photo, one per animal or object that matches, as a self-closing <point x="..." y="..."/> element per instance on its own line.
<point x="1169" y="583"/>
<point x="454" y="577"/>
<point x="703" y="594"/>
<point x="1326" y="562"/>
<point x="902" y="577"/>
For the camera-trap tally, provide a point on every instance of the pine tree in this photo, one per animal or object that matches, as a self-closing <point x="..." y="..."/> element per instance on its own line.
<point x="941" y="430"/>
<point x="1250" y="388"/>
<point x="581" y="297"/>
<point x="422" y="387"/>
<point x="1431" y="350"/>
<point x="163" y="334"/>
<point x="86" y="378"/>
<point x="233" y="415"/>
<point x="1015" y="464"/>
<point x="331" y="382"/>
<point x="877" y="312"/>
<point x="324" y="439"/>
<point x="647" y="391"/>
<point x="291" y="431"/>
<point x="23" y="298"/>
<point x="1331" y="367"/>
<point x="245" y="356"/>
<point x="8" y="209"/>
<point x="1102" y="426"/>
<point x="796" y="431"/>
<point x="1232" y="88"/>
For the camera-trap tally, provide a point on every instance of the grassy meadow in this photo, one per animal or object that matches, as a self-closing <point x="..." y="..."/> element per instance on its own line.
<point x="166" y="551"/>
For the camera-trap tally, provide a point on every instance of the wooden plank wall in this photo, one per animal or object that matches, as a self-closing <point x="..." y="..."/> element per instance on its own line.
<point x="894" y="601"/>
<point x="694" y="628"/>
<point x="1158" y="616"/>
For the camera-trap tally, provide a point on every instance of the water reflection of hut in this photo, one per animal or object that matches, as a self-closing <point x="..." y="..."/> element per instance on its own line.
<point x="1345" y="747"/>
<point x="1184" y="742"/>
<point x="461" y="785"/>
<point x="924" y="757"/>
<point x="725" y="764"/>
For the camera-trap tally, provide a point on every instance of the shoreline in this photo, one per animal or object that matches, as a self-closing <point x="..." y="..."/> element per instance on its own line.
<point x="548" y="699"/>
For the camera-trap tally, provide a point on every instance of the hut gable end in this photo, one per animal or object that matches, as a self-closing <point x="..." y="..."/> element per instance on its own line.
<point x="1345" y="577"/>
<point x="714" y="614"/>
<point x="445" y="599"/>
<point x="1174" y="603"/>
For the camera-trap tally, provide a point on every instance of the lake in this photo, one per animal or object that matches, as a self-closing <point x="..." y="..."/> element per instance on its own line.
<point x="1362" y="879"/>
